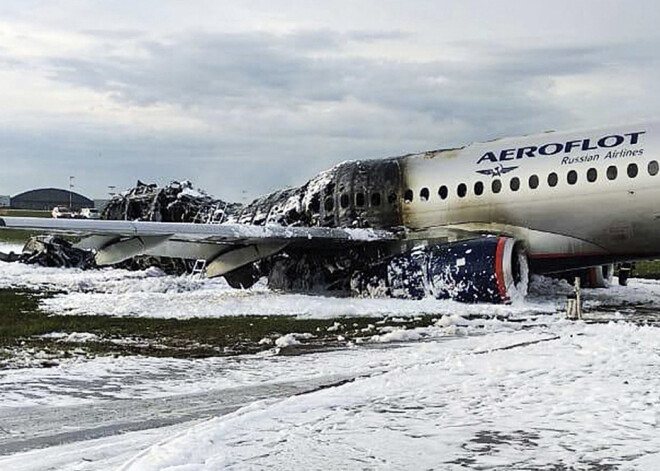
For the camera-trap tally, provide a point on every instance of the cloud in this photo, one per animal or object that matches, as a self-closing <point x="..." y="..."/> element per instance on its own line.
<point x="257" y="110"/>
<point x="250" y="77"/>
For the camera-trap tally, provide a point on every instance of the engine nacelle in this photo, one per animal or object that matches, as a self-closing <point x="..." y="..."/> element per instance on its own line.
<point x="488" y="269"/>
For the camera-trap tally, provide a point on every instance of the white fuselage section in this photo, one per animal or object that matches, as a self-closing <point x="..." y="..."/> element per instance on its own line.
<point x="564" y="194"/>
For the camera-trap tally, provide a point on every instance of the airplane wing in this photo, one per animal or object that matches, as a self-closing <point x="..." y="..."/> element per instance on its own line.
<point x="116" y="241"/>
<point x="213" y="233"/>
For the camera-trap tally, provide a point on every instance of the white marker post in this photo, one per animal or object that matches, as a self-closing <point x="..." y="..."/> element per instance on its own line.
<point x="574" y="302"/>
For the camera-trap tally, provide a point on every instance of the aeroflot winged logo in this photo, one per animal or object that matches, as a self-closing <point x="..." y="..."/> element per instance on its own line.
<point x="589" y="148"/>
<point x="497" y="171"/>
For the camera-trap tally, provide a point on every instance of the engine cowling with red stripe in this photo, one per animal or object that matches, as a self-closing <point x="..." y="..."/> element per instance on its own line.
<point x="488" y="269"/>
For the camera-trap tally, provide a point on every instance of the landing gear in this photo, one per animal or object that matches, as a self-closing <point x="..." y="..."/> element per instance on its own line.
<point x="625" y="269"/>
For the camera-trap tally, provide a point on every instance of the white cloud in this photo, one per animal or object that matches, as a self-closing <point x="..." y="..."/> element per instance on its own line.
<point x="258" y="94"/>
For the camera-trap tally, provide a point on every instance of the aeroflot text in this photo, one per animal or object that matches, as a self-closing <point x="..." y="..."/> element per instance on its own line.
<point x="553" y="148"/>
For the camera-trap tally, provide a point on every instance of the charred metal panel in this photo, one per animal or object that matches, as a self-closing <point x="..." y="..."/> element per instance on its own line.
<point x="53" y="251"/>
<point x="361" y="193"/>
<point x="282" y="207"/>
<point x="176" y="202"/>
<point x="331" y="269"/>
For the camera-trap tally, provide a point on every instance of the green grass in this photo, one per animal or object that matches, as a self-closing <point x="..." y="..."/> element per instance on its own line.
<point x="17" y="236"/>
<point x="21" y="320"/>
<point x="25" y="213"/>
<point x="647" y="269"/>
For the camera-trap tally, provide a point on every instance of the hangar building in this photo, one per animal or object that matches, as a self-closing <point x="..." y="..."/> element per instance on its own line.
<point x="48" y="198"/>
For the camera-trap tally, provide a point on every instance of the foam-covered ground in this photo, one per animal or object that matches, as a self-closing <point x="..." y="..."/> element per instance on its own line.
<point x="8" y="247"/>
<point x="587" y="400"/>
<point x="150" y="293"/>
<point x="561" y="396"/>
<point x="521" y="388"/>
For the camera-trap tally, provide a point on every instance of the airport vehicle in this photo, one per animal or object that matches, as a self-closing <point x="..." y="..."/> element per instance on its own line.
<point x="467" y="223"/>
<point x="89" y="213"/>
<point x="61" y="212"/>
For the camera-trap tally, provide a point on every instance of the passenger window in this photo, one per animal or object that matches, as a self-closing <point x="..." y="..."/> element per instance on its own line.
<point x="391" y="198"/>
<point x="496" y="186"/>
<point x="424" y="194"/>
<point x="315" y="205"/>
<point x="592" y="175"/>
<point x="443" y="192"/>
<point x="461" y="191"/>
<point x="632" y="170"/>
<point x="653" y="167"/>
<point x="344" y="200"/>
<point x="553" y="179"/>
<point x="534" y="182"/>
<point x="329" y="204"/>
<point x="359" y="199"/>
<point x="375" y="199"/>
<point x="514" y="184"/>
<point x="408" y="196"/>
<point x="571" y="177"/>
<point x="612" y="172"/>
<point x="478" y="188"/>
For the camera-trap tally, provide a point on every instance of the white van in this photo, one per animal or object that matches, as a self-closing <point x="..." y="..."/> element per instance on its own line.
<point x="90" y="213"/>
<point x="61" y="212"/>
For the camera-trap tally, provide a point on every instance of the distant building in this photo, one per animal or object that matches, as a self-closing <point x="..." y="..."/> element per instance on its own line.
<point x="48" y="198"/>
<point x="5" y="201"/>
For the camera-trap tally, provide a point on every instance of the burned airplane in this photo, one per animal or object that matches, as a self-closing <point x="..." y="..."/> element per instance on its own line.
<point x="468" y="224"/>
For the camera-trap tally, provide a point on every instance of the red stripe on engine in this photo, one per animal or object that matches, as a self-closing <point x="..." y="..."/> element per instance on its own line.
<point x="499" y="268"/>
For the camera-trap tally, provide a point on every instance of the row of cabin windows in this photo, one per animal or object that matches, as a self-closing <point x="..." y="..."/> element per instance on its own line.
<point x="496" y="187"/>
<point x="360" y="200"/>
<point x="553" y="179"/>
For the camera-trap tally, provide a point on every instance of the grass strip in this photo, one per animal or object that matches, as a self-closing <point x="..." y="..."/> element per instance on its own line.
<point x="21" y="321"/>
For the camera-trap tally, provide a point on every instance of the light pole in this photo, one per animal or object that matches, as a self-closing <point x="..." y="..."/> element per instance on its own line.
<point x="70" y="192"/>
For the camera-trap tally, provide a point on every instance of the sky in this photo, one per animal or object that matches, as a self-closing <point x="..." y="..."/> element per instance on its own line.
<point x="244" y="97"/>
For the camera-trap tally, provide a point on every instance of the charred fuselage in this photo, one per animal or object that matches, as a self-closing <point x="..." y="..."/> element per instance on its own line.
<point x="351" y="194"/>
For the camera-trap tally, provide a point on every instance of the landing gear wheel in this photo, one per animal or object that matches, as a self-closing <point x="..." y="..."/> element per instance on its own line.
<point x="624" y="273"/>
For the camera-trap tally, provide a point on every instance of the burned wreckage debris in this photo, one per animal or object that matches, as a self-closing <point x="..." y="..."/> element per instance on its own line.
<point x="296" y="269"/>
<point x="176" y="202"/>
<point x="54" y="251"/>
<point x="355" y="194"/>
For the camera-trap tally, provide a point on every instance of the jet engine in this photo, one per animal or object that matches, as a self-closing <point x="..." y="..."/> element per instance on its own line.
<point x="488" y="269"/>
